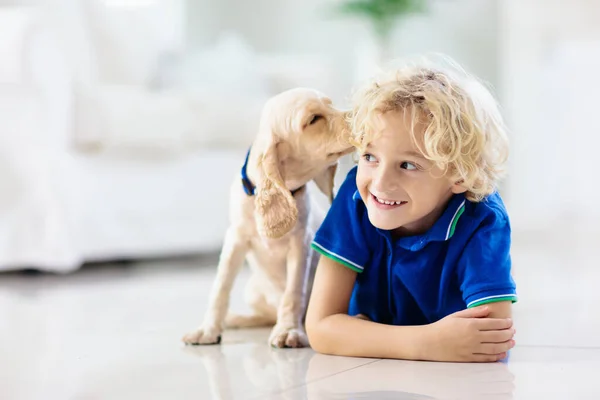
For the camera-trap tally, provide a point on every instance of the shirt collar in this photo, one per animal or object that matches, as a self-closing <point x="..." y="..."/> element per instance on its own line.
<point x="442" y="230"/>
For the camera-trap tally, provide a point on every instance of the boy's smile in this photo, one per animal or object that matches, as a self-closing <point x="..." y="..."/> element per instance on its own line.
<point x="385" y="204"/>
<point x="403" y="191"/>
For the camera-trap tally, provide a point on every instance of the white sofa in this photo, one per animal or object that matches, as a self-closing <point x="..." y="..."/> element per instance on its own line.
<point x="96" y="167"/>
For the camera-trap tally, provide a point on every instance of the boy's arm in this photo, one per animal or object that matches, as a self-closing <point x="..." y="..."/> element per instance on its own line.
<point x="464" y="336"/>
<point x="331" y="331"/>
<point x="501" y="309"/>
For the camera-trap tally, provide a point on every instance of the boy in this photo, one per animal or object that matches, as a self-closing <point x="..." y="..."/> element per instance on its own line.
<point x="416" y="246"/>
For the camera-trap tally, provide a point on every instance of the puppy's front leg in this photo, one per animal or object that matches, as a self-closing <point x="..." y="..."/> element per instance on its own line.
<point x="231" y="260"/>
<point x="288" y="332"/>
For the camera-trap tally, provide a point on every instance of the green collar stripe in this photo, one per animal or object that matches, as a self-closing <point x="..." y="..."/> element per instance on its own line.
<point x="455" y="219"/>
<point x="335" y="257"/>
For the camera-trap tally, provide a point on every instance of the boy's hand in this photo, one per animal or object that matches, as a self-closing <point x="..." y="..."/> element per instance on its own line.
<point x="469" y="336"/>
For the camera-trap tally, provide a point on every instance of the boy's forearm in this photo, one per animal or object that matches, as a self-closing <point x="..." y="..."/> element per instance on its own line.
<point x="344" y="335"/>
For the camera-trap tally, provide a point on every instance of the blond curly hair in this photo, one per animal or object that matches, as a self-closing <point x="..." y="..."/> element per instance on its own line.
<point x="463" y="133"/>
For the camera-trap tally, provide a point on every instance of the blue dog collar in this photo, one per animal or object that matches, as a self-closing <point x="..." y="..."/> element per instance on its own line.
<point x="249" y="187"/>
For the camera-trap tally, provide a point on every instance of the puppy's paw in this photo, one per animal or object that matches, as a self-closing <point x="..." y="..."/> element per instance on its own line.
<point x="288" y="337"/>
<point x="203" y="335"/>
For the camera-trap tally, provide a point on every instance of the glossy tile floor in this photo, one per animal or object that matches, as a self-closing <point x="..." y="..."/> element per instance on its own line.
<point x="113" y="332"/>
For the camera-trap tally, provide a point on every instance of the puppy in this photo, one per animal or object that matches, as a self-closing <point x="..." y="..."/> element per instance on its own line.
<point x="301" y="137"/>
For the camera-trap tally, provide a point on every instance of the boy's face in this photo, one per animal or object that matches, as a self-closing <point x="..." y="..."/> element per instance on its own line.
<point x="393" y="170"/>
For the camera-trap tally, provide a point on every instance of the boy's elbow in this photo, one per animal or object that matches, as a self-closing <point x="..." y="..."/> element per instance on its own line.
<point x="314" y="337"/>
<point x="317" y="336"/>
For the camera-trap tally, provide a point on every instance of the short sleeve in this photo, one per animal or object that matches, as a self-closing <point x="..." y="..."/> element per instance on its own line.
<point x="342" y="235"/>
<point x="484" y="269"/>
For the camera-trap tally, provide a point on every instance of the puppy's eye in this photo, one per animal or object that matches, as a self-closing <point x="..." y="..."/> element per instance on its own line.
<point x="315" y="118"/>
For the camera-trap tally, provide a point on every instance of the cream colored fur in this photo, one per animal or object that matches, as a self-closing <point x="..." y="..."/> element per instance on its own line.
<point x="300" y="138"/>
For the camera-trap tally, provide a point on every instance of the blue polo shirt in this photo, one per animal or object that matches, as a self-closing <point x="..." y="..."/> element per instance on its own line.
<point x="462" y="261"/>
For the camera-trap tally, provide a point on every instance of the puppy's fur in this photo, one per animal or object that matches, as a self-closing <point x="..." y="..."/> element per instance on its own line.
<point x="301" y="137"/>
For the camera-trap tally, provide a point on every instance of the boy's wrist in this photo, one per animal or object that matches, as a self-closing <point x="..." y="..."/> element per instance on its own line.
<point x="426" y="342"/>
<point x="414" y="342"/>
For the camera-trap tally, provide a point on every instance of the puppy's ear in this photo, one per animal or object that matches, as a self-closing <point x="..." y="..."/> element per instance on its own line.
<point x="275" y="208"/>
<point x="325" y="180"/>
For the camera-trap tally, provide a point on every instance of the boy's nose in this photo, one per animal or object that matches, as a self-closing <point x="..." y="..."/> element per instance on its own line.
<point x="384" y="182"/>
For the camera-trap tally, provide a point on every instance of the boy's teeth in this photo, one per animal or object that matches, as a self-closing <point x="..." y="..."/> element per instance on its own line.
<point x="389" y="203"/>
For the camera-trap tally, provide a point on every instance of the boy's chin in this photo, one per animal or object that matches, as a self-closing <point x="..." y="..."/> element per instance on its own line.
<point x="391" y="228"/>
<point x="382" y="223"/>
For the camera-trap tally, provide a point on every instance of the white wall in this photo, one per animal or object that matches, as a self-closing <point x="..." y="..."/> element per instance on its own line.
<point x="465" y="29"/>
<point x="202" y="22"/>
<point x="549" y="63"/>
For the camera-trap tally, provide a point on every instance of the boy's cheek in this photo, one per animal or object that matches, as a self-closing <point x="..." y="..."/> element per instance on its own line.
<point x="362" y="189"/>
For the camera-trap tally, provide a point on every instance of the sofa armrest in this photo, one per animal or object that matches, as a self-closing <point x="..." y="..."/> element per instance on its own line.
<point x="130" y="117"/>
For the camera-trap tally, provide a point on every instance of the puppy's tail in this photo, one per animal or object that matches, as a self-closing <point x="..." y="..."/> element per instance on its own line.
<point x="235" y="321"/>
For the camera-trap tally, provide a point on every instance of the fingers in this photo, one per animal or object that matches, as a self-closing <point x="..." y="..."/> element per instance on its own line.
<point x="497" y="336"/>
<point x="496" y="348"/>
<point x="483" y="358"/>
<point x="475" y="312"/>
<point x="494" y="324"/>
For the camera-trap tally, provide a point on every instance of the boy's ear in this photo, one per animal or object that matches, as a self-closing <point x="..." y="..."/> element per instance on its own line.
<point x="458" y="187"/>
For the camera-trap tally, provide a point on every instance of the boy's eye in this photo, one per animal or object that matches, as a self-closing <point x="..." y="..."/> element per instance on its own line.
<point x="369" y="157"/>
<point x="408" y="166"/>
